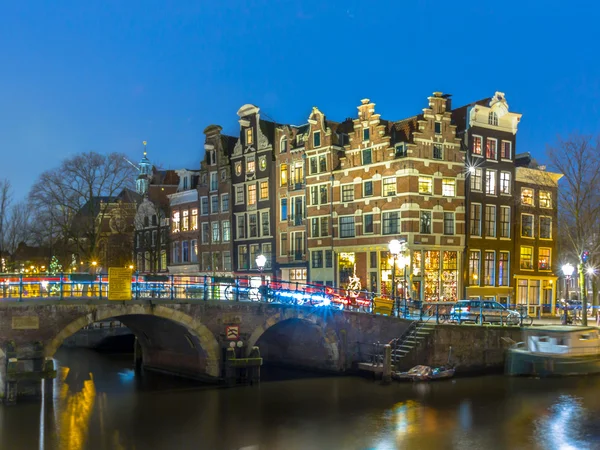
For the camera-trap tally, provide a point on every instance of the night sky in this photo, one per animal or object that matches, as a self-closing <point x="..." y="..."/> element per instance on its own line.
<point x="106" y="75"/>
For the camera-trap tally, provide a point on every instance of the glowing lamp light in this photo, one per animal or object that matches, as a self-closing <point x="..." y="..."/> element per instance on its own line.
<point x="591" y="271"/>
<point x="94" y="263"/>
<point x="45" y="284"/>
<point x="568" y="269"/>
<point x="261" y="260"/>
<point x="395" y="247"/>
<point x="131" y="266"/>
<point x="471" y="170"/>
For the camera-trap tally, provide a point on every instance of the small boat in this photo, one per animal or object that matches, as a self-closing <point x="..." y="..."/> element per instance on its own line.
<point x="555" y="351"/>
<point x="424" y="373"/>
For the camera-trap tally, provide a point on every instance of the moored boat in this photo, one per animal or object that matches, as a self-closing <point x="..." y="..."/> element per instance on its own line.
<point x="555" y="351"/>
<point x="424" y="373"/>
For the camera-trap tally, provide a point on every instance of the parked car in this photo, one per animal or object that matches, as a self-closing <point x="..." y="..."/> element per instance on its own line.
<point x="480" y="311"/>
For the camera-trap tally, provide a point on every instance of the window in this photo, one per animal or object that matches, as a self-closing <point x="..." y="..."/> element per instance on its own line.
<point x="212" y="157"/>
<point x="283" y="244"/>
<point x="185" y="225"/>
<point x="214" y="204"/>
<point x="205" y="232"/>
<point x="249" y="136"/>
<point x="214" y="181"/>
<point x="224" y="202"/>
<point x="264" y="190"/>
<point x="206" y="261"/>
<point x="505" y="183"/>
<point x="163" y="260"/>
<point x="323" y="163"/>
<point x="477" y="180"/>
<point x="347" y="192"/>
<point x="475" y="219"/>
<point x="283" y="172"/>
<point x="425" y="185"/>
<point x="254" y="252"/>
<point x="227" y="261"/>
<point x="526" y="258"/>
<point x="366" y="134"/>
<point x="320" y="226"/>
<point x="389" y="186"/>
<point x="544" y="262"/>
<point x="226" y="226"/>
<point x="367" y="223"/>
<point x="252" y="225"/>
<point x="527" y="196"/>
<point x="490" y="220"/>
<point x="238" y="168"/>
<point x="318" y="194"/>
<point x="250" y="164"/>
<point x="204" y="206"/>
<point x="175" y="226"/>
<point x="317" y="139"/>
<point x="328" y="258"/>
<point x="474" y="261"/>
<point x="545" y="227"/>
<point x="241" y="226"/>
<point x="194" y="225"/>
<point x="477" y="145"/>
<point x="154" y="236"/>
<point x="243" y="257"/>
<point x="503" y="268"/>
<point x="425" y="222"/>
<point x="266" y="224"/>
<point x="506" y="152"/>
<point x="175" y="252"/>
<point x="527" y="225"/>
<point x="367" y="156"/>
<point x="491" y="148"/>
<point x="313" y="165"/>
<point x="438" y="128"/>
<point x="437" y="151"/>
<point x="391" y="222"/>
<point x="185" y="183"/>
<point x="283" y="145"/>
<point x="367" y="188"/>
<point x="216" y="230"/>
<point x="347" y="226"/>
<point x="239" y="195"/>
<point x="267" y="251"/>
<point x="505" y="221"/>
<point x="545" y="199"/>
<point x="284" y="209"/>
<point x="489" y="278"/>
<point x="493" y="118"/>
<point x="223" y="175"/>
<point x="490" y="182"/>
<point x="252" y="194"/>
<point x="449" y="223"/>
<point x="317" y="259"/>
<point x="401" y="150"/>
<point x="448" y="187"/>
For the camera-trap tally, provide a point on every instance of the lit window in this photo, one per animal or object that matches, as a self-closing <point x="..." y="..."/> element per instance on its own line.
<point x="503" y="268"/>
<point x="489" y="268"/>
<point x="448" y="187"/>
<point x="505" y="182"/>
<point x="284" y="174"/>
<point x="527" y="196"/>
<point x="545" y="199"/>
<point x="526" y="258"/>
<point x="474" y="262"/>
<point x="389" y="186"/>
<point x="249" y="136"/>
<point x="490" y="182"/>
<point x="283" y="209"/>
<point x="186" y="221"/>
<point x="176" y="224"/>
<point x="491" y="148"/>
<point x="252" y="194"/>
<point x="425" y="185"/>
<point x="544" y="261"/>
<point x="506" y="150"/>
<point x="264" y="190"/>
<point x="250" y="165"/>
<point x="226" y="225"/>
<point x="477" y="145"/>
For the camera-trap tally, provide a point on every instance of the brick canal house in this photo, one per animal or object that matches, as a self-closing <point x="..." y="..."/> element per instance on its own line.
<point x="151" y="240"/>
<point x="214" y="191"/>
<point x="396" y="180"/>
<point x="488" y="131"/>
<point x="254" y="193"/>
<point x="535" y="236"/>
<point x="184" y="234"/>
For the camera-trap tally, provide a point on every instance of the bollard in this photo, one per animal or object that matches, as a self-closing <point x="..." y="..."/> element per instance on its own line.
<point x="387" y="363"/>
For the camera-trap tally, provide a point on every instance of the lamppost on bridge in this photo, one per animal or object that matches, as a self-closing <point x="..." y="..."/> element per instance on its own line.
<point x="567" y="270"/>
<point x="261" y="260"/>
<point x="395" y="247"/>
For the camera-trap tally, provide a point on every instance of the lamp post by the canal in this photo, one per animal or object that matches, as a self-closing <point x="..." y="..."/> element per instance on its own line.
<point x="395" y="247"/>
<point x="567" y="270"/>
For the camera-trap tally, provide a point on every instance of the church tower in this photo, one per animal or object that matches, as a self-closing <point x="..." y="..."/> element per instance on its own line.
<point x="145" y="174"/>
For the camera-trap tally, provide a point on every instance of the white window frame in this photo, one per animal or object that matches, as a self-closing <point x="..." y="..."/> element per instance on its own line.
<point x="489" y="192"/>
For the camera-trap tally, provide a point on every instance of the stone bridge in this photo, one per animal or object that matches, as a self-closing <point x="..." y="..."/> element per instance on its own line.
<point x="189" y="338"/>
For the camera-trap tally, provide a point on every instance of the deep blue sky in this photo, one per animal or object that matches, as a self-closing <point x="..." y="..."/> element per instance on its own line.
<point x="106" y="75"/>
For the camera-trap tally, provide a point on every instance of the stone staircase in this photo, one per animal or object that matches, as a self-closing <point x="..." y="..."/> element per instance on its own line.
<point x="411" y="339"/>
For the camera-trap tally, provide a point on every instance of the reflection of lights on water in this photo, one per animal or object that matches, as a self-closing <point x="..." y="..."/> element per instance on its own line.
<point x="556" y="430"/>
<point x="465" y="414"/>
<point x="127" y="376"/>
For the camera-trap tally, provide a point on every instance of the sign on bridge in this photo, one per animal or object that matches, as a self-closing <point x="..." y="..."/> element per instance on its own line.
<point x="119" y="283"/>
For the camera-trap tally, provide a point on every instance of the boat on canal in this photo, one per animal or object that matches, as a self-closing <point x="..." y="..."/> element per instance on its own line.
<point x="424" y="373"/>
<point x="555" y="351"/>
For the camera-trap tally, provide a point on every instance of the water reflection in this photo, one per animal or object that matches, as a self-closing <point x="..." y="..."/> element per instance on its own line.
<point x="99" y="403"/>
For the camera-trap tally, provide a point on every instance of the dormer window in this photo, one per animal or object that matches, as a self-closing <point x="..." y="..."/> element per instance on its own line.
<point x="366" y="134"/>
<point x="185" y="183"/>
<point x="249" y="136"/>
<point x="212" y="157"/>
<point x="438" y="128"/>
<point x="493" y="118"/>
<point x="401" y="150"/>
<point x="317" y="139"/>
<point x="284" y="144"/>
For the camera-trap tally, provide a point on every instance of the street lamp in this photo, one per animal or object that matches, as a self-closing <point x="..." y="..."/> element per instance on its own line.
<point x="261" y="260"/>
<point x="395" y="247"/>
<point x="567" y="270"/>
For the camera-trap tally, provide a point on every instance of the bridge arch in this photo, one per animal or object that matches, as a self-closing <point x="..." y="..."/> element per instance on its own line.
<point x="201" y="352"/>
<point x="304" y="337"/>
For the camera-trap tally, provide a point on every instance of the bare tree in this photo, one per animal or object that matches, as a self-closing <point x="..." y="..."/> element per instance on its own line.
<point x="5" y="202"/>
<point x="73" y="199"/>
<point x="18" y="227"/>
<point x="578" y="159"/>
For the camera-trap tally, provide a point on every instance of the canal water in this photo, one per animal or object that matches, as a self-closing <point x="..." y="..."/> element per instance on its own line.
<point x="99" y="404"/>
